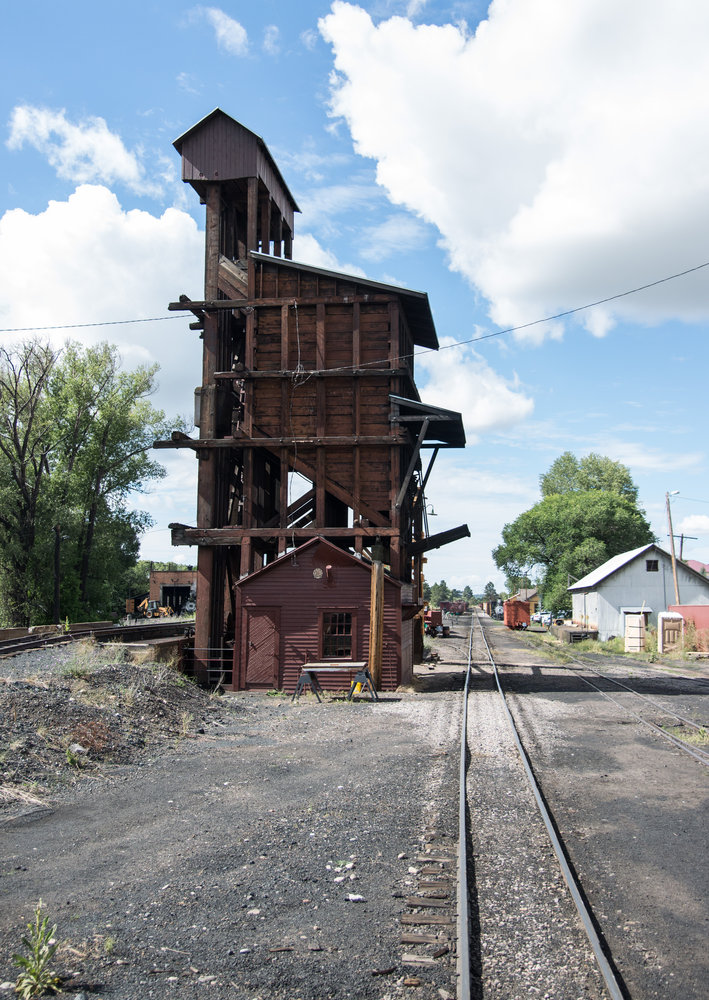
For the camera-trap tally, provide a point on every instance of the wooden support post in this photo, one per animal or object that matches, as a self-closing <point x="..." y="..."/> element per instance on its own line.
<point x="252" y="214"/>
<point x="376" y="618"/>
<point x="266" y="224"/>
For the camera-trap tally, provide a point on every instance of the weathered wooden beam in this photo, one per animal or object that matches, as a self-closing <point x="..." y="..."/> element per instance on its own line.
<point x="288" y="373"/>
<point x="436" y="541"/>
<point x="199" y="444"/>
<point x="230" y="535"/>
<point x="210" y="305"/>
<point x="412" y="464"/>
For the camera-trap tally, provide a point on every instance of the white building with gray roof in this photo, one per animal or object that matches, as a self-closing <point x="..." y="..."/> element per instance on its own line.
<point x="635" y="582"/>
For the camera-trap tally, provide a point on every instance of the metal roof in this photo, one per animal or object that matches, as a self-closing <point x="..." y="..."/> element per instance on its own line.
<point x="611" y="566"/>
<point x="446" y="429"/>
<point x="217" y="112"/>
<point x="416" y="304"/>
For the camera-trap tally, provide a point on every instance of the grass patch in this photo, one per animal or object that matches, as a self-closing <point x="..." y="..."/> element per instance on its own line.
<point x="689" y="735"/>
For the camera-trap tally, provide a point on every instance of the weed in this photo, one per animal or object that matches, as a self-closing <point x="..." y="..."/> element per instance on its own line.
<point x="694" y="737"/>
<point x="73" y="758"/>
<point x="37" y="977"/>
<point x="186" y="721"/>
<point x="109" y="945"/>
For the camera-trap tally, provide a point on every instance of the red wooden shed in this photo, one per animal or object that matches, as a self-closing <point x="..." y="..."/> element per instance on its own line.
<point x="310" y="605"/>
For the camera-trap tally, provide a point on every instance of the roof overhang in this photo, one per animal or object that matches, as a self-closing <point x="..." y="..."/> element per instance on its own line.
<point x="445" y="427"/>
<point x="416" y="305"/>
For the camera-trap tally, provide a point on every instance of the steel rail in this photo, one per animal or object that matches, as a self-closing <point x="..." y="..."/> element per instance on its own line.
<point x="463" y="920"/>
<point x="626" y="687"/>
<point x="696" y="752"/>
<point x="609" y="977"/>
<point x="130" y="633"/>
<point x="701" y="755"/>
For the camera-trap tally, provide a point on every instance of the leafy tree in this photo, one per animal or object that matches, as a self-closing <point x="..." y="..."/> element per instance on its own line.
<point x="76" y="430"/>
<point x="27" y="436"/>
<point x="594" y="472"/>
<point x="568" y="535"/>
<point x="490" y="592"/>
<point x="439" y="592"/>
<point x="426" y="591"/>
<point x="467" y="593"/>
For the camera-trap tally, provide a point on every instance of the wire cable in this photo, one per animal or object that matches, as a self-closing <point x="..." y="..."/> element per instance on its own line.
<point x="81" y="326"/>
<point x="403" y="357"/>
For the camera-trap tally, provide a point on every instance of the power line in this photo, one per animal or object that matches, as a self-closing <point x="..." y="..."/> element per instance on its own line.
<point x="81" y="326"/>
<point x="577" y="309"/>
<point x="458" y="343"/>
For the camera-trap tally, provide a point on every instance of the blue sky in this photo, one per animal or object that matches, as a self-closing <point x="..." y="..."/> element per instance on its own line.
<point x="514" y="161"/>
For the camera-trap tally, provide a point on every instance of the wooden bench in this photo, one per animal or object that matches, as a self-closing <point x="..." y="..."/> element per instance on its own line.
<point x="309" y="678"/>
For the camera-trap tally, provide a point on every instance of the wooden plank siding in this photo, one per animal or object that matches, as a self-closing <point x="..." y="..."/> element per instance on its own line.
<point x="300" y="587"/>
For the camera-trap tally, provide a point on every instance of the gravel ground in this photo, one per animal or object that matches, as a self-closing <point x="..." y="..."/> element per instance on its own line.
<point x="245" y="846"/>
<point x="242" y="846"/>
<point x="631" y="807"/>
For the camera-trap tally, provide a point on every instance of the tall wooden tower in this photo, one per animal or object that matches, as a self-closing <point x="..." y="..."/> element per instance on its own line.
<point x="310" y="423"/>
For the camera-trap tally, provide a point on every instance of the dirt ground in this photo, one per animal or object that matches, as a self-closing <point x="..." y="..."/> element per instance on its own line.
<point x="189" y="845"/>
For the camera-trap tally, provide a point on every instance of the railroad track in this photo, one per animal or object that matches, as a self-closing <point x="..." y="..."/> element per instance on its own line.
<point x="679" y="720"/>
<point x="653" y="714"/>
<point x="588" y="920"/>
<point x="121" y="633"/>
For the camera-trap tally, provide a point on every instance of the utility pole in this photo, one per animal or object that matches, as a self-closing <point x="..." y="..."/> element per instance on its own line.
<point x="672" y="543"/>
<point x="376" y="615"/>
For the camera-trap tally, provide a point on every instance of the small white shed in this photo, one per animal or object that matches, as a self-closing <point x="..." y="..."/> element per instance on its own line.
<point x="639" y="581"/>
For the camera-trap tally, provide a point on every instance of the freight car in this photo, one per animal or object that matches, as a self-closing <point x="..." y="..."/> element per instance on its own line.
<point x="516" y="614"/>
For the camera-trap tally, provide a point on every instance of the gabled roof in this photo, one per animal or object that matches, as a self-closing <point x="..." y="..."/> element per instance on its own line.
<point x="612" y="565"/>
<point x="337" y="553"/>
<point x="218" y="115"/>
<point x="416" y="304"/>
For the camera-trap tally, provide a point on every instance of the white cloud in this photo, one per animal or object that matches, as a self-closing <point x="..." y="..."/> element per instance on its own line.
<point x="559" y="150"/>
<point x="188" y="83"/>
<point x="389" y="237"/>
<point x="461" y="493"/>
<point x="272" y="40"/>
<point x="230" y="34"/>
<point x="98" y="263"/>
<point x="642" y="456"/>
<point x="460" y="379"/>
<point x="307" y="250"/>
<point x="309" y="39"/>
<point x="87" y="151"/>
<point x="694" y="524"/>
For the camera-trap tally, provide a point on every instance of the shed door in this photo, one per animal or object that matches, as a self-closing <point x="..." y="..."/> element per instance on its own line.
<point x="262" y="641"/>
<point x="634" y="633"/>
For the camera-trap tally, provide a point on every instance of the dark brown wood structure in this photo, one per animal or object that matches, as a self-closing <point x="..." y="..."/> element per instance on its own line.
<point x="310" y="423"/>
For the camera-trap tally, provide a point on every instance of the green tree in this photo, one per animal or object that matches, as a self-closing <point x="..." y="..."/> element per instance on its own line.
<point x="490" y="591"/>
<point x="76" y="430"/>
<point x="467" y="593"/>
<point x="439" y="592"/>
<point x="567" y="535"/>
<point x="27" y="437"/>
<point x="594" y="472"/>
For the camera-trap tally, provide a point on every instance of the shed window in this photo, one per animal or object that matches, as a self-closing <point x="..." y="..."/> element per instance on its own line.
<point x="652" y="565"/>
<point x="337" y="635"/>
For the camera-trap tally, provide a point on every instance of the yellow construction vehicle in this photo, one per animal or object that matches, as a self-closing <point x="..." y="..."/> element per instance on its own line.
<point x="153" y="609"/>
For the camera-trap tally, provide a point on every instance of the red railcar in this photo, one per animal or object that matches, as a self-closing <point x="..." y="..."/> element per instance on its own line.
<point x="516" y="614"/>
